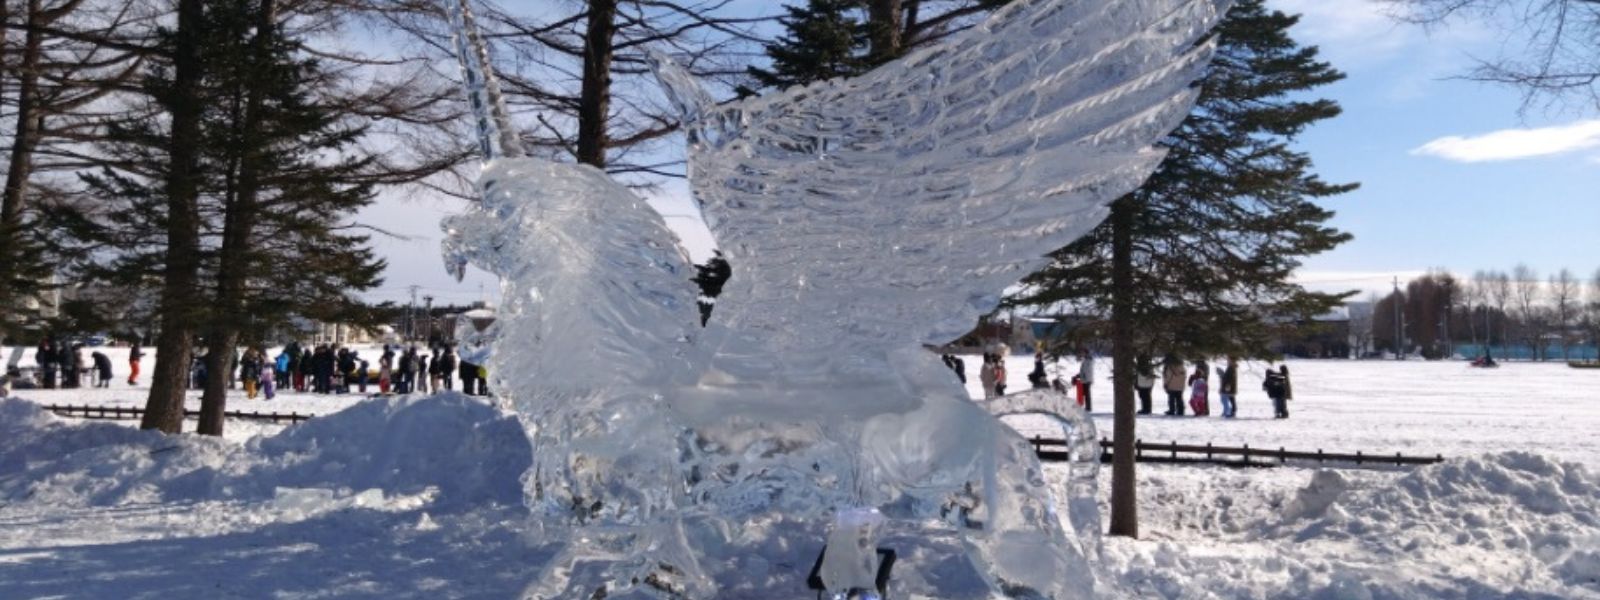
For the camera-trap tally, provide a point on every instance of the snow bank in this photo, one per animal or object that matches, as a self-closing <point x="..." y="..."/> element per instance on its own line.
<point x="1471" y="512"/>
<point x="1508" y="525"/>
<point x="450" y="450"/>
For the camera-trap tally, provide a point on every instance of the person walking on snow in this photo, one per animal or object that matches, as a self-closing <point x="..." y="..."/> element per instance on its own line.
<point x="134" y="354"/>
<point x="1172" y="381"/>
<point x="1276" y="385"/>
<point x="1230" y="389"/>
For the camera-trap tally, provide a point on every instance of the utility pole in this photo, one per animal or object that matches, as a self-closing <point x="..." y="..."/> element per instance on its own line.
<point x="427" y="314"/>
<point x="1399" y="350"/>
<point x="411" y="316"/>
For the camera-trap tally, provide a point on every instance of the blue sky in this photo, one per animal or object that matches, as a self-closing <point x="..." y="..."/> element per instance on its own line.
<point x="1455" y="174"/>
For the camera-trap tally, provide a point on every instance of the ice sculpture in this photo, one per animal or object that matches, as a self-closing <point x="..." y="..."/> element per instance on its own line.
<point x="805" y="439"/>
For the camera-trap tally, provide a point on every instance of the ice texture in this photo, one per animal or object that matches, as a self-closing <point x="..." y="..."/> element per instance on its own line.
<point x="863" y="218"/>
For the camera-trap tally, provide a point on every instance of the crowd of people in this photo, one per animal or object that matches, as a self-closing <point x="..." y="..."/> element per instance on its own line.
<point x="331" y="369"/>
<point x="1174" y="376"/>
<point x="323" y="369"/>
<point x="63" y="365"/>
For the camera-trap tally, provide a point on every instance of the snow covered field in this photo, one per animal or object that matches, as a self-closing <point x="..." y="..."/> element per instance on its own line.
<point x="1414" y="407"/>
<point x="419" y="497"/>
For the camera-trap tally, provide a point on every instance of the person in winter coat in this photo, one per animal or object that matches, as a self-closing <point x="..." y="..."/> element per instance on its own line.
<point x="1173" y="382"/>
<point x="1086" y="374"/>
<point x="424" y="374"/>
<point x="469" y="378"/>
<point x="408" y="371"/>
<point x="72" y="366"/>
<point x="447" y="367"/>
<point x="46" y="356"/>
<point x="999" y="375"/>
<point x="102" y="367"/>
<point x="268" y="379"/>
<point x="435" y="371"/>
<point x="1276" y="384"/>
<point x="986" y="376"/>
<point x="280" y="369"/>
<point x="1230" y="389"/>
<point x="347" y="370"/>
<point x="322" y="368"/>
<point x="361" y="373"/>
<point x="305" y="370"/>
<point x="1144" y="381"/>
<point x="1037" y="376"/>
<point x="1199" y="395"/>
<point x="250" y="372"/>
<point x="134" y="355"/>
<point x="385" y="370"/>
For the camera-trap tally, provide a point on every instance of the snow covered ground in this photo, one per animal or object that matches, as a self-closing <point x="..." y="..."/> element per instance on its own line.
<point x="1414" y="407"/>
<point x="419" y="497"/>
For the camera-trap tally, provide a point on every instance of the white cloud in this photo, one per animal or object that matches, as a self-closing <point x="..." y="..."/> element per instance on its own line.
<point x="1513" y="144"/>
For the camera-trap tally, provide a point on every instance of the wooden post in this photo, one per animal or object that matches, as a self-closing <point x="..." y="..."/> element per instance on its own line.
<point x="1246" y="456"/>
<point x="1282" y="457"/>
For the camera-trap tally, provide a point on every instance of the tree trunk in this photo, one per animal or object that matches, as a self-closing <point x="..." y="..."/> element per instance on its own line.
<point x="1124" y="486"/>
<point x="233" y="263"/>
<point x="594" y="101"/>
<point x="220" y="345"/>
<point x="24" y="140"/>
<point x="884" y="28"/>
<point x="180" y="279"/>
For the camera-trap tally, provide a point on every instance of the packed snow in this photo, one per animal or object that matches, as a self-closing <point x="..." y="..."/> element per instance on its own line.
<point x="420" y="497"/>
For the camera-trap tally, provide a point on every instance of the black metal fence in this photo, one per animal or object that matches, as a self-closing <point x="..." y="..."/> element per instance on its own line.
<point x="128" y="412"/>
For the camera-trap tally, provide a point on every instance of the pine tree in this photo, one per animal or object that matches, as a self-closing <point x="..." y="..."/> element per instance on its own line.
<point x="1197" y="261"/>
<point x="823" y="41"/>
<point x="275" y="180"/>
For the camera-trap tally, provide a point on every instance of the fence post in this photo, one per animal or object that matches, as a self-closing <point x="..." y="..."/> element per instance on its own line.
<point x="1283" y="457"/>
<point x="1246" y="456"/>
<point x="1208" y="451"/>
<point x="1397" y="461"/>
<point x="1358" y="457"/>
<point x="1037" y="447"/>
<point x="1174" y="449"/>
<point x="1138" y="449"/>
<point x="1319" y="456"/>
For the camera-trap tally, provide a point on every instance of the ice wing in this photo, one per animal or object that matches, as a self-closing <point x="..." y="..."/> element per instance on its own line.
<point x="892" y="209"/>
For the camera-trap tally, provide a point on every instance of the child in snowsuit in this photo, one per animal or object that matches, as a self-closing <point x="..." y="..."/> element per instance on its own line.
<point x="1199" y="384"/>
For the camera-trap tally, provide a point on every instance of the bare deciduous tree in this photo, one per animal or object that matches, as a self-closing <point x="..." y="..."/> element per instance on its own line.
<point x="1564" y="292"/>
<point x="1528" y="294"/>
<point x="1552" y="50"/>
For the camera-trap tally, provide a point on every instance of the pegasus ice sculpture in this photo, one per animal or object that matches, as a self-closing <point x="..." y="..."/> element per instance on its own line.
<point x="806" y="427"/>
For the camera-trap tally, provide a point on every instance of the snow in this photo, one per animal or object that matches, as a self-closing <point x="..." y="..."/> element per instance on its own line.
<point x="420" y="497"/>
